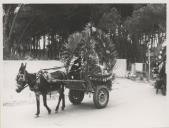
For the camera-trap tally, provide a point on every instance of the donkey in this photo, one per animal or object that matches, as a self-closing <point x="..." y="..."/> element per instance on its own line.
<point x="40" y="86"/>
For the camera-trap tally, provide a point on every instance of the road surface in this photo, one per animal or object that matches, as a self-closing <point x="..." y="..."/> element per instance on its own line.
<point x="131" y="104"/>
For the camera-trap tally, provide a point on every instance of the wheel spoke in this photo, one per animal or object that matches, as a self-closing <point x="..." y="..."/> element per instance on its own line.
<point x="76" y="96"/>
<point x="101" y="96"/>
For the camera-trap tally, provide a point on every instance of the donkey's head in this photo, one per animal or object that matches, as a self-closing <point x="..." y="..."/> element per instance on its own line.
<point x="21" y="78"/>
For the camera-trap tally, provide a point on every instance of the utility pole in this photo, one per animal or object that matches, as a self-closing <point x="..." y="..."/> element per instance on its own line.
<point x="149" y="61"/>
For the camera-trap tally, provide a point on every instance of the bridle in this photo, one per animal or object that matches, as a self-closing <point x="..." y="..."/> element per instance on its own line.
<point x="21" y="79"/>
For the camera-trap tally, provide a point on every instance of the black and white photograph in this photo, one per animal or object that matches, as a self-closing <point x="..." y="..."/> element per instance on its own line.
<point x="80" y="65"/>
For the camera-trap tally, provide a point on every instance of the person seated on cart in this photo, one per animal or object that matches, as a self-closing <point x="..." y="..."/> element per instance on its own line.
<point x="75" y="70"/>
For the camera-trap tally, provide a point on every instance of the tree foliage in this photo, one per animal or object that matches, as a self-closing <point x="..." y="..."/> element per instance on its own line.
<point x="110" y="20"/>
<point x="146" y="25"/>
<point x="148" y="19"/>
<point x="62" y="24"/>
<point x="93" y="45"/>
<point x="9" y="19"/>
<point x="105" y="48"/>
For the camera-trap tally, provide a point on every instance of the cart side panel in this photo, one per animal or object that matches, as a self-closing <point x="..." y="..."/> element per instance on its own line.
<point x="75" y="84"/>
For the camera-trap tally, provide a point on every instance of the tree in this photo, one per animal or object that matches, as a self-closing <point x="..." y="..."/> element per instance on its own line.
<point x="93" y="45"/>
<point x="33" y="20"/>
<point x="145" y="25"/>
<point x="110" y="21"/>
<point x="105" y="48"/>
<point x="9" y="18"/>
<point x="70" y="48"/>
<point x="148" y="19"/>
<point x="112" y="26"/>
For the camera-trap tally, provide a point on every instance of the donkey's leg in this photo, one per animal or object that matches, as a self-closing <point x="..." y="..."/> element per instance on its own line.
<point x="45" y="103"/>
<point x="63" y="98"/>
<point x="57" y="107"/>
<point x="38" y="104"/>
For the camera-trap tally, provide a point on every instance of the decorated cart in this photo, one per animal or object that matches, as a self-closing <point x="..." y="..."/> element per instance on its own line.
<point x="86" y="75"/>
<point x="99" y="84"/>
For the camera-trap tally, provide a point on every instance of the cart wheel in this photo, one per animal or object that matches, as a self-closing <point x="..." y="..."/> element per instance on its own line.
<point x="76" y="96"/>
<point x="101" y="97"/>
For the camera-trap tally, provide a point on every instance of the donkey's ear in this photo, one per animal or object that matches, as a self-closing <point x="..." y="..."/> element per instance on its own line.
<point x="22" y="65"/>
<point x="25" y="65"/>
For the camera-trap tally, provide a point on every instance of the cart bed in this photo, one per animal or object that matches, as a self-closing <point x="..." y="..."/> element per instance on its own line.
<point x="72" y="84"/>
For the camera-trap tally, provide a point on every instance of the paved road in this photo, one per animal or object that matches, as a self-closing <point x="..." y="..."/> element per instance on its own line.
<point x="131" y="104"/>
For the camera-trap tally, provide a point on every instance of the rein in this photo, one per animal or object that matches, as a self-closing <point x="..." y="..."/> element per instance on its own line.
<point x="25" y="86"/>
<point x="56" y="67"/>
<point x="53" y="68"/>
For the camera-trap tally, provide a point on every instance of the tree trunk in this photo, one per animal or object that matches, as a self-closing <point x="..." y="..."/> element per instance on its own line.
<point x="44" y="44"/>
<point x="7" y="34"/>
<point x="36" y="44"/>
<point x="6" y="40"/>
<point x="34" y="47"/>
<point x="53" y="45"/>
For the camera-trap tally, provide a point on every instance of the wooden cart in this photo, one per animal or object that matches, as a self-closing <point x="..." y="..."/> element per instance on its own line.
<point x="98" y="85"/>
